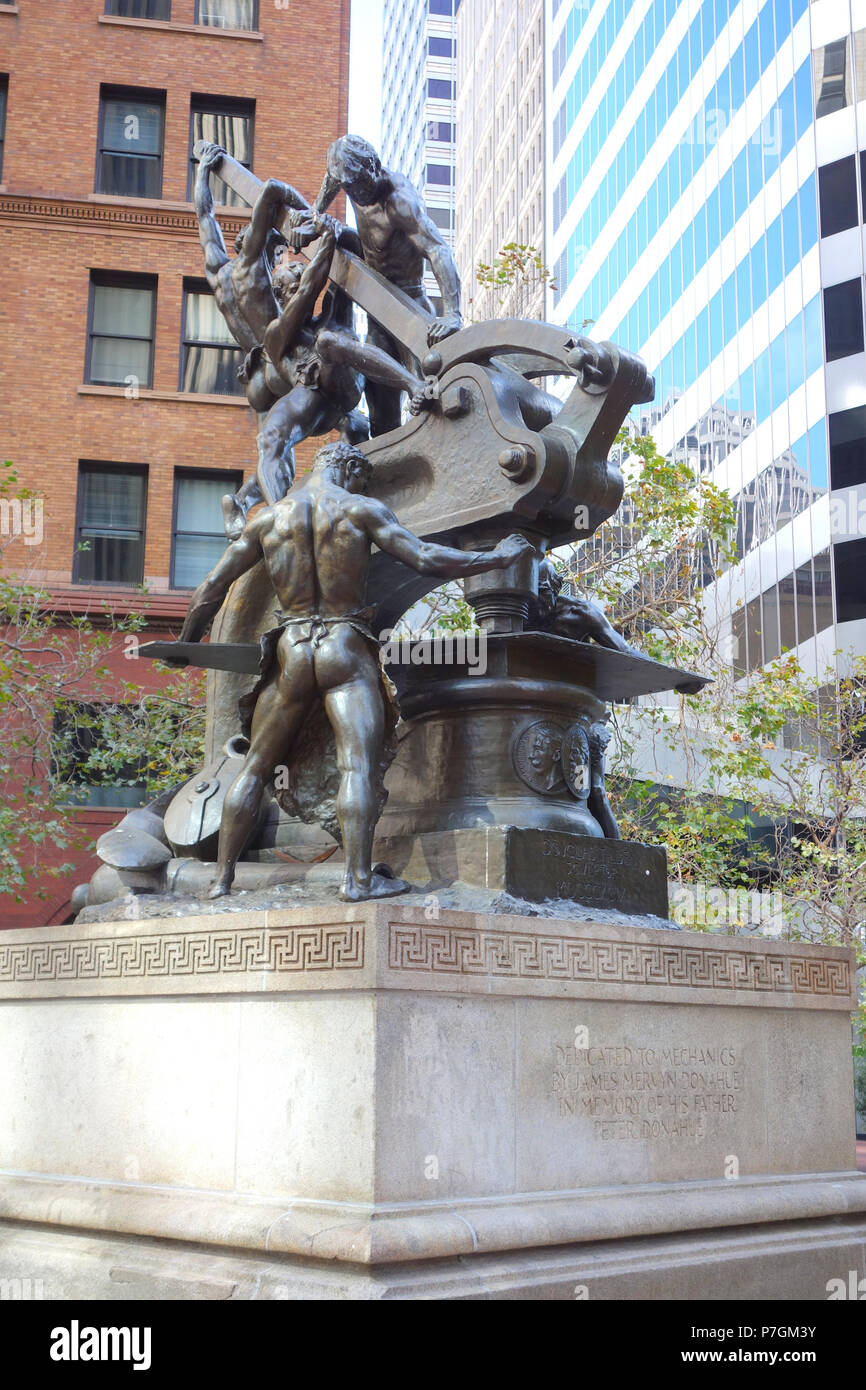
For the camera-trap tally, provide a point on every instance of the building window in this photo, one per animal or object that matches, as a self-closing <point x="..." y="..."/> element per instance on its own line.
<point x="831" y="73"/>
<point x="440" y="217"/>
<point x="110" y="525"/>
<point x="849" y="562"/>
<point x="837" y="193"/>
<point x="227" y="14"/>
<point x="440" y="48"/>
<point x="843" y="319"/>
<point x="223" y="122"/>
<point x="84" y="743"/>
<point x="120" y="337"/>
<point x="863" y="183"/>
<point x="131" y="127"/>
<point x="848" y="447"/>
<point x="441" y="6"/>
<point x="440" y="89"/>
<point x="210" y="357"/>
<point x="441" y="130"/>
<point x="139" y="9"/>
<point x="4" y="92"/>
<point x="439" y="173"/>
<point x="198" y="534"/>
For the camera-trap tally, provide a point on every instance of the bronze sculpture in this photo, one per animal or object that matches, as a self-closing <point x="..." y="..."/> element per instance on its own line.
<point x="316" y="544"/>
<point x="395" y="237"/>
<point x="485" y="453"/>
<point x="303" y="375"/>
<point x="311" y="369"/>
<point x="243" y="290"/>
<point x="569" y="615"/>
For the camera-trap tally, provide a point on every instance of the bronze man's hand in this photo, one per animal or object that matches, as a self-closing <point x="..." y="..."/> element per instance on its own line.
<point x="303" y="228"/>
<point x="323" y="222"/>
<point x="444" y="327"/>
<point x="513" y="548"/>
<point x="211" y="154"/>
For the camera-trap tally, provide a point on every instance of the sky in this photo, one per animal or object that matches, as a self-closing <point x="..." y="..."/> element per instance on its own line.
<point x="365" y="69"/>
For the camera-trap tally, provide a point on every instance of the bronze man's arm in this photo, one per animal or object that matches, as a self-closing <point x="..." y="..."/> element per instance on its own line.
<point x="209" y="230"/>
<point x="268" y="214"/>
<point x="327" y="193"/>
<point x="208" y="598"/>
<point x="424" y="236"/>
<point x="282" y="335"/>
<point x="588" y="617"/>
<point x="440" y="560"/>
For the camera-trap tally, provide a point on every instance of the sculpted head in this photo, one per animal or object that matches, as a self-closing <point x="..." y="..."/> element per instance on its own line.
<point x="549" y="585"/>
<point x="355" y="165"/>
<point x="286" y="276"/>
<point x="345" y="464"/>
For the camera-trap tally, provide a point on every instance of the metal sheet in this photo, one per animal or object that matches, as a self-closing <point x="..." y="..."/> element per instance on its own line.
<point x="217" y="656"/>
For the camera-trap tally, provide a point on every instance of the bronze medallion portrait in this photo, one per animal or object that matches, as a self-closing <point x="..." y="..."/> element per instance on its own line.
<point x="537" y="753"/>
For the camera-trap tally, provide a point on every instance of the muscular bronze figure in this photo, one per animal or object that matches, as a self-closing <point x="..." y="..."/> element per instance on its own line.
<point x="316" y="544"/>
<point x="303" y="374"/>
<point x="243" y="289"/>
<point x="395" y="236"/>
<point x="569" y="615"/>
<point x="317" y="360"/>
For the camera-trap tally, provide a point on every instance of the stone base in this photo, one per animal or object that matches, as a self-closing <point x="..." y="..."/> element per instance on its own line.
<point x="536" y="865"/>
<point x="755" y="1260"/>
<point x="359" y="1102"/>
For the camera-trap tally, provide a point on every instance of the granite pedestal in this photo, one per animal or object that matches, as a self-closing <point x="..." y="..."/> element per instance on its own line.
<point x="375" y="1102"/>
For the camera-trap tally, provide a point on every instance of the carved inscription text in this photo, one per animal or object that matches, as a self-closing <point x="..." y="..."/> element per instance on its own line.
<point x="648" y="1092"/>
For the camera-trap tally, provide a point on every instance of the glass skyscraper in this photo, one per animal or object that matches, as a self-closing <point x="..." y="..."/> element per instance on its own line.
<point x="706" y="209"/>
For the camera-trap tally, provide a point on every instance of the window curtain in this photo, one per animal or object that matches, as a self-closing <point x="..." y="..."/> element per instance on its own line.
<point x="234" y="132"/>
<point x="140" y="9"/>
<point x="112" y="502"/>
<point x="119" y="310"/>
<point x="228" y="14"/>
<point x="112" y="528"/>
<point x="122" y="310"/>
<point x="132" y="127"/>
<point x="204" y="322"/>
<point x="198" y="510"/>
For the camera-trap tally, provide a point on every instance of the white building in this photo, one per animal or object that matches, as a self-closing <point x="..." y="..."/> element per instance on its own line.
<point x="500" y="146"/>
<point x="418" y="106"/>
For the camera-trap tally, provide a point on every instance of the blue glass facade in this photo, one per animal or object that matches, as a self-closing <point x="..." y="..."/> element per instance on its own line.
<point x="684" y="226"/>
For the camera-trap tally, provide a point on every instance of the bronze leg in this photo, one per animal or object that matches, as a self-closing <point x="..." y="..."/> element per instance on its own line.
<point x="375" y="364"/>
<point x="353" y="704"/>
<point x="292" y="418"/>
<point x="280" y="711"/>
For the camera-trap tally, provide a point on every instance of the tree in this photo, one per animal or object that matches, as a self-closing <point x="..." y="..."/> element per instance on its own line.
<point x="67" y="721"/>
<point x="774" y="794"/>
<point x="515" y="282"/>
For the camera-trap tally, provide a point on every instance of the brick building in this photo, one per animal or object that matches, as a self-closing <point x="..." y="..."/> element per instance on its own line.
<point x="119" y="405"/>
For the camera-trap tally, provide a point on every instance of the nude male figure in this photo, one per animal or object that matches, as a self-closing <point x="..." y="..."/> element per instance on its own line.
<point x="243" y="289"/>
<point x="317" y="361"/>
<point x="316" y="544"/>
<point x="569" y="615"/>
<point x="395" y="236"/>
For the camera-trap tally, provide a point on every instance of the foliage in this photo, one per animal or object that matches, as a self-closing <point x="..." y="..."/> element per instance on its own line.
<point x="515" y="263"/>
<point x="775" y="794"/>
<point x="67" y="722"/>
<point x="516" y="280"/>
